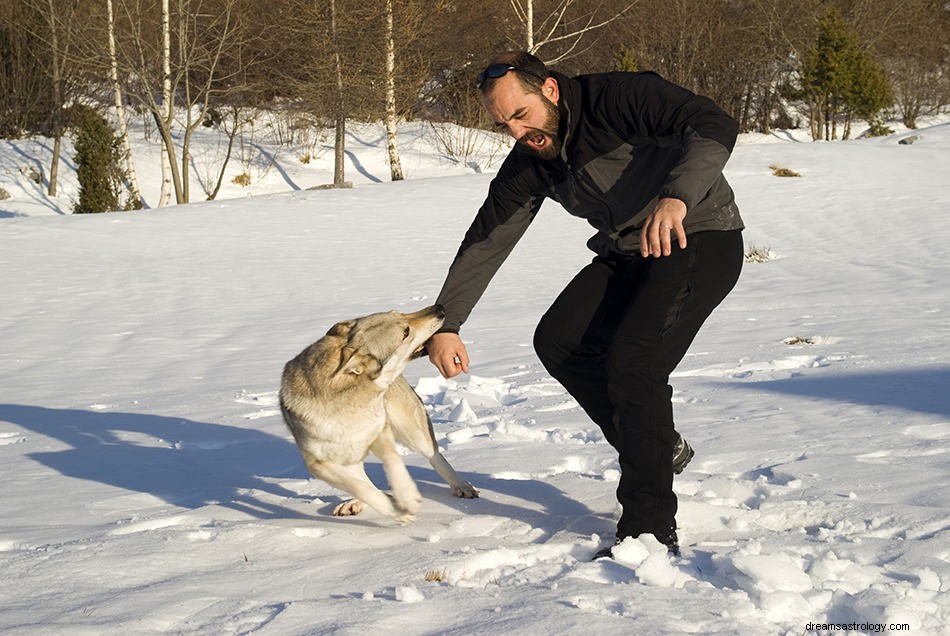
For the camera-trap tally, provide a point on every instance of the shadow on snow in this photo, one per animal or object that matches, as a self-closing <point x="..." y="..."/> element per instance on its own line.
<point x="924" y="389"/>
<point x="192" y="464"/>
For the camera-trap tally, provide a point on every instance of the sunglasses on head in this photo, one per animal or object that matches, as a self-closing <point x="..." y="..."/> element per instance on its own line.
<point x="500" y="70"/>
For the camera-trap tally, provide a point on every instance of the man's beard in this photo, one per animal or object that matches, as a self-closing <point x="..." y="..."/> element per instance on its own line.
<point x="552" y="146"/>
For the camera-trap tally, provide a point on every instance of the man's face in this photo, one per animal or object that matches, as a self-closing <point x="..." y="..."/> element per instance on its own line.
<point x="530" y="118"/>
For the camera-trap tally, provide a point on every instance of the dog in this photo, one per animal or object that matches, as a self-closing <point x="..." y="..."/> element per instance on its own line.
<point x="345" y="395"/>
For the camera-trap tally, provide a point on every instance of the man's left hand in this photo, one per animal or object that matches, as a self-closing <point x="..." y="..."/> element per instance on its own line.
<point x="665" y="220"/>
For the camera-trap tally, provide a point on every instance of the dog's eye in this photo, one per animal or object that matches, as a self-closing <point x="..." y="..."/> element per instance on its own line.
<point x="405" y="333"/>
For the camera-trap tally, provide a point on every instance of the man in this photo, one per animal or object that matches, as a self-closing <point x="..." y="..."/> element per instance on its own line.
<point x="641" y="160"/>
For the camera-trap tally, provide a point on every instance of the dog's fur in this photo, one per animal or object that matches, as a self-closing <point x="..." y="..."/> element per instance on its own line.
<point x="345" y="395"/>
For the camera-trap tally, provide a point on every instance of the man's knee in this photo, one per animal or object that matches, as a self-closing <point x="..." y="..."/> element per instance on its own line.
<point x="549" y="342"/>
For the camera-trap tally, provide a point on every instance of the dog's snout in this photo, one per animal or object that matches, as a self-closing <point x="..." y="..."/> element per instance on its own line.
<point x="439" y="311"/>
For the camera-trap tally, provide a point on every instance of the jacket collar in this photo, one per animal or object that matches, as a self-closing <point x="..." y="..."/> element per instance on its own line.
<point x="569" y="109"/>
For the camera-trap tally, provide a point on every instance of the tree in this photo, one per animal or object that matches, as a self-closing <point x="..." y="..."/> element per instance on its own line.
<point x="916" y="56"/>
<point x="563" y="27"/>
<point x="191" y="60"/>
<point x="395" y="167"/>
<point x="840" y="79"/>
<point x="339" y="113"/>
<point x="24" y="95"/>
<point x="55" y="35"/>
<point x="98" y="165"/>
<point x="126" y="148"/>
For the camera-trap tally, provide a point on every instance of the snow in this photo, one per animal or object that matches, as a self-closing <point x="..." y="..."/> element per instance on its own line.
<point x="150" y="486"/>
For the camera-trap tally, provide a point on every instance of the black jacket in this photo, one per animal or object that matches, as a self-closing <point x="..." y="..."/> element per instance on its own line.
<point x="628" y="140"/>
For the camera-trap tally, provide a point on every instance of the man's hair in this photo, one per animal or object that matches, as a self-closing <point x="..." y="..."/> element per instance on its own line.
<point x="533" y="74"/>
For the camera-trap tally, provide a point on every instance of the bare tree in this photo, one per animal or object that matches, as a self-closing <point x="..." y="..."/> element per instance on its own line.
<point x="915" y="53"/>
<point x="395" y="166"/>
<point x="203" y="40"/>
<point x="565" y="25"/>
<point x="57" y="85"/>
<point x="339" y="145"/>
<point x="197" y="38"/>
<point x="126" y="148"/>
<point x="24" y="93"/>
<point x="164" y="114"/>
<point x="56" y="37"/>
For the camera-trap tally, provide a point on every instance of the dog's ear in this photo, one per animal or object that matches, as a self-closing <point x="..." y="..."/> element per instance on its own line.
<point x="356" y="363"/>
<point x="350" y="360"/>
<point x="341" y="329"/>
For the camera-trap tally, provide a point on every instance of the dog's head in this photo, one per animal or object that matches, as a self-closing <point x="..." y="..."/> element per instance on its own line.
<point x="379" y="346"/>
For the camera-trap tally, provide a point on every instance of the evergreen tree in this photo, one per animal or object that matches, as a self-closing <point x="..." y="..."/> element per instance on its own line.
<point x="98" y="165"/>
<point x="839" y="79"/>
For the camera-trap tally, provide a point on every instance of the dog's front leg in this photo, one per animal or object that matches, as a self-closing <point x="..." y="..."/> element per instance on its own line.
<point x="352" y="479"/>
<point x="403" y="487"/>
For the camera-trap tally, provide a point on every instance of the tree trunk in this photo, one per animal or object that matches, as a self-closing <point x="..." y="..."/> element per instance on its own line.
<point x="173" y="178"/>
<point x="339" y="144"/>
<point x="57" y="123"/>
<point x="395" y="167"/>
<point x="227" y="157"/>
<point x="54" y="166"/>
<point x="130" y="173"/>
<point x="164" y="119"/>
<point x="529" y="24"/>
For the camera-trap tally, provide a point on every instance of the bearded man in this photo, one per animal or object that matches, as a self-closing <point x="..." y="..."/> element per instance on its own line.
<point x="641" y="160"/>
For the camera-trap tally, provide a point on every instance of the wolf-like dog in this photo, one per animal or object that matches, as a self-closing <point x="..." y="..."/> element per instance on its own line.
<point x="345" y="395"/>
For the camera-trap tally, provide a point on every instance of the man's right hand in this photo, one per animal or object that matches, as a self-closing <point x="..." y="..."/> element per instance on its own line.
<point x="447" y="352"/>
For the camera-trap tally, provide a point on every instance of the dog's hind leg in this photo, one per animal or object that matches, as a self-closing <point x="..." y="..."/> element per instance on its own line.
<point x="352" y="479"/>
<point x="460" y="487"/>
<point x="411" y="425"/>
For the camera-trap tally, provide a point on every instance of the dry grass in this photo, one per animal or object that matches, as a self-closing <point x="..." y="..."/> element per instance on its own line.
<point x="758" y="254"/>
<point x="779" y="171"/>
<point x="435" y="576"/>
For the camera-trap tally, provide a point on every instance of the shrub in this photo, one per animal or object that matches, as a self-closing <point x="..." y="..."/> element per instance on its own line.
<point x="98" y="165"/>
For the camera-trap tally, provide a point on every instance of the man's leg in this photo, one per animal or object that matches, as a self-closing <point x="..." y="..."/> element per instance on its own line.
<point x="676" y="295"/>
<point x="573" y="335"/>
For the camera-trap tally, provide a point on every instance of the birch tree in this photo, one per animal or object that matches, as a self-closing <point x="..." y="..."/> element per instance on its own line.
<point x="124" y="145"/>
<point x="395" y="167"/>
<point x="197" y="38"/>
<point x="164" y="114"/>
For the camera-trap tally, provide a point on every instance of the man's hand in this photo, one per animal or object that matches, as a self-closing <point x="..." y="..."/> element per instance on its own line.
<point x="665" y="219"/>
<point x="447" y="352"/>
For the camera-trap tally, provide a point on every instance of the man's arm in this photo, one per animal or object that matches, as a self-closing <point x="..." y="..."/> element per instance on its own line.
<point x="649" y="105"/>
<point x="501" y="221"/>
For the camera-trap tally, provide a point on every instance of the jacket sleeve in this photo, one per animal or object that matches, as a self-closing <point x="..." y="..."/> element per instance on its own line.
<point x="501" y="221"/>
<point x="670" y="114"/>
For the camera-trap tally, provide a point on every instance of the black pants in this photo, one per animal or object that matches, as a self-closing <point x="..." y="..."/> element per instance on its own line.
<point x="613" y="337"/>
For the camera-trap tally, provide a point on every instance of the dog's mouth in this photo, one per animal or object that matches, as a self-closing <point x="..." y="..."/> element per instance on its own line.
<point x="419" y="352"/>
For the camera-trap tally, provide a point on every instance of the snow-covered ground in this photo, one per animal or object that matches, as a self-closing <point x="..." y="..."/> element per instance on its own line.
<point x="149" y="485"/>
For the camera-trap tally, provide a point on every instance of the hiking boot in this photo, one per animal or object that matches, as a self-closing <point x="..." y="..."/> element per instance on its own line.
<point x="682" y="453"/>
<point x="670" y="540"/>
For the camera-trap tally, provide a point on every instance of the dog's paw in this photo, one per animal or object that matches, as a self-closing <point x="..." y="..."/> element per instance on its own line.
<point x="466" y="491"/>
<point x="349" y="508"/>
<point x="405" y="518"/>
<point x="409" y="504"/>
